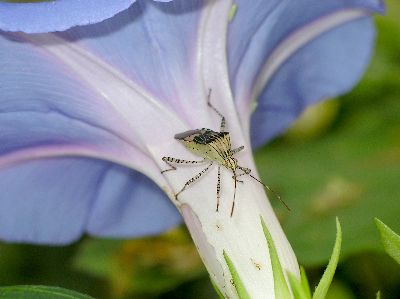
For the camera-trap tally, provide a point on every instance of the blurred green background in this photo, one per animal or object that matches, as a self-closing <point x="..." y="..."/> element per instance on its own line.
<point x="342" y="158"/>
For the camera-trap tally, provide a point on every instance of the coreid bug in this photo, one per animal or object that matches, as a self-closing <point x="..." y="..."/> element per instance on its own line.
<point x="213" y="147"/>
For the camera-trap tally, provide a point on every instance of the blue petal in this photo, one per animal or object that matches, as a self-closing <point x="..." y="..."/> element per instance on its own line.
<point x="57" y="200"/>
<point x="42" y="104"/>
<point x="151" y="43"/>
<point x="58" y="15"/>
<point x="329" y="65"/>
<point x="47" y="201"/>
<point x="258" y="30"/>
<point x="45" y="106"/>
<point x="266" y="25"/>
<point x="248" y="19"/>
<point x="274" y="20"/>
<point x="130" y="205"/>
<point x="45" y="111"/>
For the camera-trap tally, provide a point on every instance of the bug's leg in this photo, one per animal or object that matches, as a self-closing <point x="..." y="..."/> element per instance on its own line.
<point x="245" y="171"/>
<point x="235" y="177"/>
<point x="193" y="179"/>
<point x="222" y="126"/>
<point x="218" y="186"/>
<point x="169" y="169"/>
<point x="236" y="150"/>
<point x="170" y="160"/>
<point x="234" y="195"/>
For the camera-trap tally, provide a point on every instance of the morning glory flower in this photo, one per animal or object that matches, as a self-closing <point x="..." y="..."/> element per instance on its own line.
<point x="88" y="113"/>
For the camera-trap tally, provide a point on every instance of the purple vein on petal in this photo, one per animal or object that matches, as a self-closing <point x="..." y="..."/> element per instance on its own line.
<point x="123" y="156"/>
<point x="136" y="107"/>
<point x="286" y="48"/>
<point x="212" y="60"/>
<point x="301" y="37"/>
<point x="126" y="153"/>
<point x="153" y="45"/>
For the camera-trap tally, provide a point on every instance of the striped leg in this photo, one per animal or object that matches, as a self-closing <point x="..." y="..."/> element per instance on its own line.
<point x="245" y="171"/>
<point x="192" y="180"/>
<point x="236" y="176"/>
<point x="218" y="186"/>
<point x="234" y="196"/>
<point x="222" y="126"/>
<point x="170" y="160"/>
<point x="236" y="150"/>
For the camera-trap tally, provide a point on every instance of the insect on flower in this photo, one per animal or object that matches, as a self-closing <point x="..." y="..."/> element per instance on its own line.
<point x="213" y="147"/>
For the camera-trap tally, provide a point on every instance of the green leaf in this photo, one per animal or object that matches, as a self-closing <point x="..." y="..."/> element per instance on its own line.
<point x="280" y="285"/>
<point x="237" y="282"/>
<point x="217" y="290"/>
<point x="326" y="280"/>
<point x="378" y="295"/>
<point x="390" y="240"/>
<point x="39" y="292"/>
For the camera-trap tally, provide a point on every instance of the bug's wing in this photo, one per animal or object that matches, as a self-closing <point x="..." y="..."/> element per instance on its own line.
<point x="187" y="135"/>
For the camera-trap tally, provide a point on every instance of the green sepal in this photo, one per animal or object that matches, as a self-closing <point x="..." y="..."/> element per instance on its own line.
<point x="237" y="282"/>
<point x="390" y="240"/>
<point x="297" y="287"/>
<point x="326" y="280"/>
<point x="304" y="282"/>
<point x="378" y="294"/>
<point x="280" y="284"/>
<point x="39" y="292"/>
<point x="217" y="290"/>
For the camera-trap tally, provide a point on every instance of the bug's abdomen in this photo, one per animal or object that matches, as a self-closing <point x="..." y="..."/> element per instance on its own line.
<point x="202" y="150"/>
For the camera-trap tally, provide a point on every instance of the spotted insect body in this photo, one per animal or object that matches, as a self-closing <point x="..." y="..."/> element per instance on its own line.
<point x="213" y="147"/>
<point x="208" y="144"/>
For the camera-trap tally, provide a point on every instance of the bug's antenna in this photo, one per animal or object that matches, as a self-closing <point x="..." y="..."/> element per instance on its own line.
<point x="272" y="191"/>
